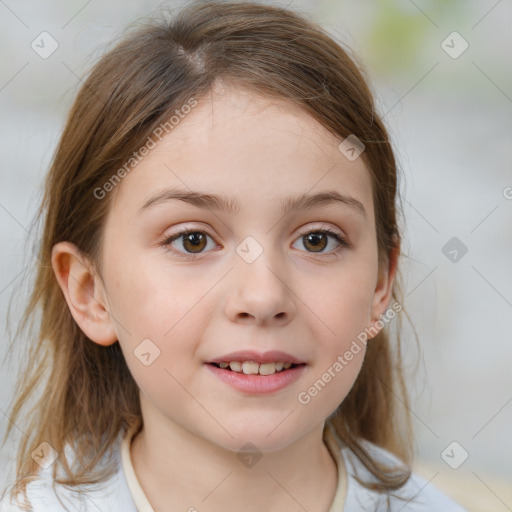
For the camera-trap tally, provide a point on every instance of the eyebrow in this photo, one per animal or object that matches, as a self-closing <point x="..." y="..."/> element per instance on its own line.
<point x="232" y="206"/>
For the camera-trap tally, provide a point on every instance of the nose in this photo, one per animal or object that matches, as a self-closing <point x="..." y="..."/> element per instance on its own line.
<point x="260" y="292"/>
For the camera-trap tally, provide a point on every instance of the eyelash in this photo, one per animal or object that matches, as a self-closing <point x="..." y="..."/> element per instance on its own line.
<point x="166" y="242"/>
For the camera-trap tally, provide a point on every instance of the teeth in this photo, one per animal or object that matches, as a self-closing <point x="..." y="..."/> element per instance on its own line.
<point x="235" y="366"/>
<point x="267" y="368"/>
<point x="252" y="368"/>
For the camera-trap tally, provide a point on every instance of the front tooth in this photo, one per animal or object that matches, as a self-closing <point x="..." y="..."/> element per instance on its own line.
<point x="286" y="365"/>
<point x="250" y="368"/>
<point x="267" y="368"/>
<point x="279" y="366"/>
<point x="236" y="366"/>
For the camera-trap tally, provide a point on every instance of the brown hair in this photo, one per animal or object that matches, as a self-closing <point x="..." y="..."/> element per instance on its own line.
<point x="89" y="394"/>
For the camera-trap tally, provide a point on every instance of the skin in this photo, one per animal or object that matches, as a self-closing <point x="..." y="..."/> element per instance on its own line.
<point x="310" y="304"/>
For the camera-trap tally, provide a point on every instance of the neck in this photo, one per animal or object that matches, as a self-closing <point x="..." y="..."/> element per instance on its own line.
<point x="176" y="466"/>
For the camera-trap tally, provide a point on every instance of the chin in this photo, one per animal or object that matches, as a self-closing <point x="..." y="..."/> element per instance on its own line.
<point x="263" y="438"/>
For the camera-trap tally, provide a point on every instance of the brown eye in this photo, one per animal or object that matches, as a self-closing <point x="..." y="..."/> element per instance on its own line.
<point x="316" y="241"/>
<point x="194" y="242"/>
<point x="188" y="242"/>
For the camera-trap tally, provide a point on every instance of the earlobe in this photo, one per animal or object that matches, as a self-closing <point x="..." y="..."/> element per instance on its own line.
<point x="384" y="289"/>
<point x="84" y="293"/>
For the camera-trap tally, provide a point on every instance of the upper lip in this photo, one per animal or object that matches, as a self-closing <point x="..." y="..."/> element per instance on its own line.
<point x="258" y="357"/>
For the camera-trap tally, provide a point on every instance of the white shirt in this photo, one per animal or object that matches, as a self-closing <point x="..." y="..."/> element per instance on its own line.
<point x="123" y="493"/>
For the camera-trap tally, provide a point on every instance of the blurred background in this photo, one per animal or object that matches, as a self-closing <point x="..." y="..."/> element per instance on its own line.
<point x="441" y="73"/>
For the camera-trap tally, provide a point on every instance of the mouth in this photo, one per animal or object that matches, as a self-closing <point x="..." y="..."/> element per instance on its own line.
<point x="255" y="373"/>
<point x="254" y="368"/>
<point x="251" y="377"/>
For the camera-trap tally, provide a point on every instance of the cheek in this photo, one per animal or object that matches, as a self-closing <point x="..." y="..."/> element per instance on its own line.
<point x="343" y="311"/>
<point x="149" y="302"/>
<point x="150" y="297"/>
<point x="342" y="300"/>
<point x="161" y="334"/>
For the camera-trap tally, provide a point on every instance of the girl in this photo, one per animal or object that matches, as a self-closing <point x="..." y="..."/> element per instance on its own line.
<point x="218" y="268"/>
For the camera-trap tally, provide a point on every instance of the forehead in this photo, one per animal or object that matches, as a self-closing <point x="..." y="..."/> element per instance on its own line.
<point x="253" y="148"/>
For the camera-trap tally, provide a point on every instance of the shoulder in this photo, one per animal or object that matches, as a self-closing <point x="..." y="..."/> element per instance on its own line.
<point x="416" y="495"/>
<point x="43" y="495"/>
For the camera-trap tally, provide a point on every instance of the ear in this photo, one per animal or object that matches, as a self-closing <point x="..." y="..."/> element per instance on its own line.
<point x="84" y="293"/>
<point x="384" y="288"/>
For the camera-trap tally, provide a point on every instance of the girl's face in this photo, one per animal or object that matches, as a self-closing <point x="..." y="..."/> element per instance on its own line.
<point x="255" y="273"/>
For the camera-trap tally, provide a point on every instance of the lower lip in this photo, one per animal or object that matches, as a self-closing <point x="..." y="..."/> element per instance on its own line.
<point x="258" y="384"/>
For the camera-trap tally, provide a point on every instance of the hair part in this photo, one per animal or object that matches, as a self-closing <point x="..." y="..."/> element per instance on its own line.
<point x="88" y="394"/>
